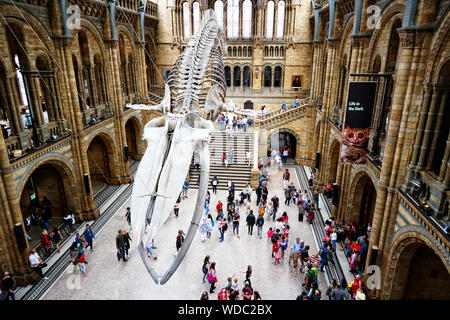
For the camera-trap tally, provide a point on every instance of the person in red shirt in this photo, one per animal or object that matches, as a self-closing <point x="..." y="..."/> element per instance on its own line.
<point x="219" y="208"/>
<point x="355" y="285"/>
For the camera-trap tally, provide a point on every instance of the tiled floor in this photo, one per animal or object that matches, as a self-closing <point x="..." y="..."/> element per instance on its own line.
<point x="110" y="279"/>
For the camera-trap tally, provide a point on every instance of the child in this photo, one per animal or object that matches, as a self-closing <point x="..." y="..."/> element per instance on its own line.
<point x="286" y="232"/>
<point x="176" y="209"/>
<point x="82" y="264"/>
<point x="228" y="287"/>
<point x="235" y="285"/>
<point x="269" y="234"/>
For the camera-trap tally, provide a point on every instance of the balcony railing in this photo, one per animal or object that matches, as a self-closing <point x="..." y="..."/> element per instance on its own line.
<point x="95" y="115"/>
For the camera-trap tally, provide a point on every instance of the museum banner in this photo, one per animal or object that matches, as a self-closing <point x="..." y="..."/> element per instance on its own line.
<point x="358" y="116"/>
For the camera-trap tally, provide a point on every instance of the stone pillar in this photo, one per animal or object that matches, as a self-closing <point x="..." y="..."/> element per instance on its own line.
<point x="420" y="127"/>
<point x="87" y="208"/>
<point x="387" y="200"/>
<point x="424" y="150"/>
<point x="437" y="129"/>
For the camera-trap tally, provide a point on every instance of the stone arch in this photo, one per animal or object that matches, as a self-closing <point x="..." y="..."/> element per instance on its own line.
<point x="103" y="157"/>
<point x="390" y="14"/>
<point x="402" y="262"/>
<point x="26" y="17"/>
<point x="297" y="146"/>
<point x="361" y="198"/>
<point x="133" y="132"/>
<point x="438" y="44"/>
<point x="66" y="171"/>
<point x="93" y="33"/>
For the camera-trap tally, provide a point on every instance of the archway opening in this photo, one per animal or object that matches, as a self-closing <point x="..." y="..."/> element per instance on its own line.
<point x="285" y="143"/>
<point x="363" y="206"/>
<point x="420" y="274"/>
<point x="334" y="161"/>
<point x="132" y="142"/>
<point x="45" y="198"/>
<point x="99" y="160"/>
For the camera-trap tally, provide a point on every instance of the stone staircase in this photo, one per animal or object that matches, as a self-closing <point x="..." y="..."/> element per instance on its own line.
<point x="239" y="171"/>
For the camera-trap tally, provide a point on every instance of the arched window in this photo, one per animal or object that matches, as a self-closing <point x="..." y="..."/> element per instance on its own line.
<point x="218" y="9"/>
<point x="20" y="81"/>
<point x="277" y="77"/>
<point x="282" y="52"/>
<point x="249" y="52"/>
<point x="237" y="76"/>
<point x="196" y="15"/>
<point x="245" y="52"/>
<point x="247" y="19"/>
<point x="234" y="52"/>
<point x="240" y="52"/>
<point x="277" y="52"/>
<point x="266" y="52"/>
<point x="228" y="76"/>
<point x="280" y="19"/>
<point x="233" y="19"/>
<point x="269" y="19"/>
<point x="267" y="76"/>
<point x="229" y="51"/>
<point x="186" y="20"/>
<point x="246" y="76"/>
<point x="271" y="52"/>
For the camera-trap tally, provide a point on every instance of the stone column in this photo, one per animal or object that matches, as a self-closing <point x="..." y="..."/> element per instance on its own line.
<point x="387" y="199"/>
<point x="444" y="172"/>
<point x="424" y="150"/>
<point x="437" y="129"/>
<point x="420" y="127"/>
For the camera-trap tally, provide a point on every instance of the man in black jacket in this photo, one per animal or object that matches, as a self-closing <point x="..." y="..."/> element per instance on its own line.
<point x="258" y="194"/>
<point x="250" y="222"/>
<point x="8" y="283"/>
<point x="276" y="204"/>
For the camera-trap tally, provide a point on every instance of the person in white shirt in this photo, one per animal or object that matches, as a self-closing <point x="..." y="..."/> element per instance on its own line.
<point x="36" y="262"/>
<point x="248" y="157"/>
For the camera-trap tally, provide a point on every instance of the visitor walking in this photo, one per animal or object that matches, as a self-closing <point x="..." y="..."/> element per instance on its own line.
<point x="126" y="242"/>
<point x="56" y="237"/>
<point x="8" y="284"/>
<point x="82" y="264"/>
<point x="185" y="188"/>
<point x="89" y="236"/>
<point x="205" y="267"/>
<point x="128" y="217"/>
<point x="236" y="219"/>
<point x="180" y="239"/>
<point x="120" y="246"/>
<point x="250" y="222"/>
<point x="260" y="224"/>
<point x="214" y="184"/>
<point x="286" y="178"/>
<point x="212" y="277"/>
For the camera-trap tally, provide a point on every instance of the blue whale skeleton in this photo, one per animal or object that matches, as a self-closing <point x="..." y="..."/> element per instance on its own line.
<point x="197" y="79"/>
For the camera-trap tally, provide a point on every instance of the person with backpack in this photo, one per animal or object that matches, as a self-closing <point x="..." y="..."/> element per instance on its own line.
<point x="120" y="245"/>
<point x="223" y="294"/>
<point x="214" y="184"/>
<point x="250" y="222"/>
<point x="56" y="237"/>
<point x="212" y="277"/>
<point x="260" y="224"/>
<point x="311" y="275"/>
<point x="205" y="267"/>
